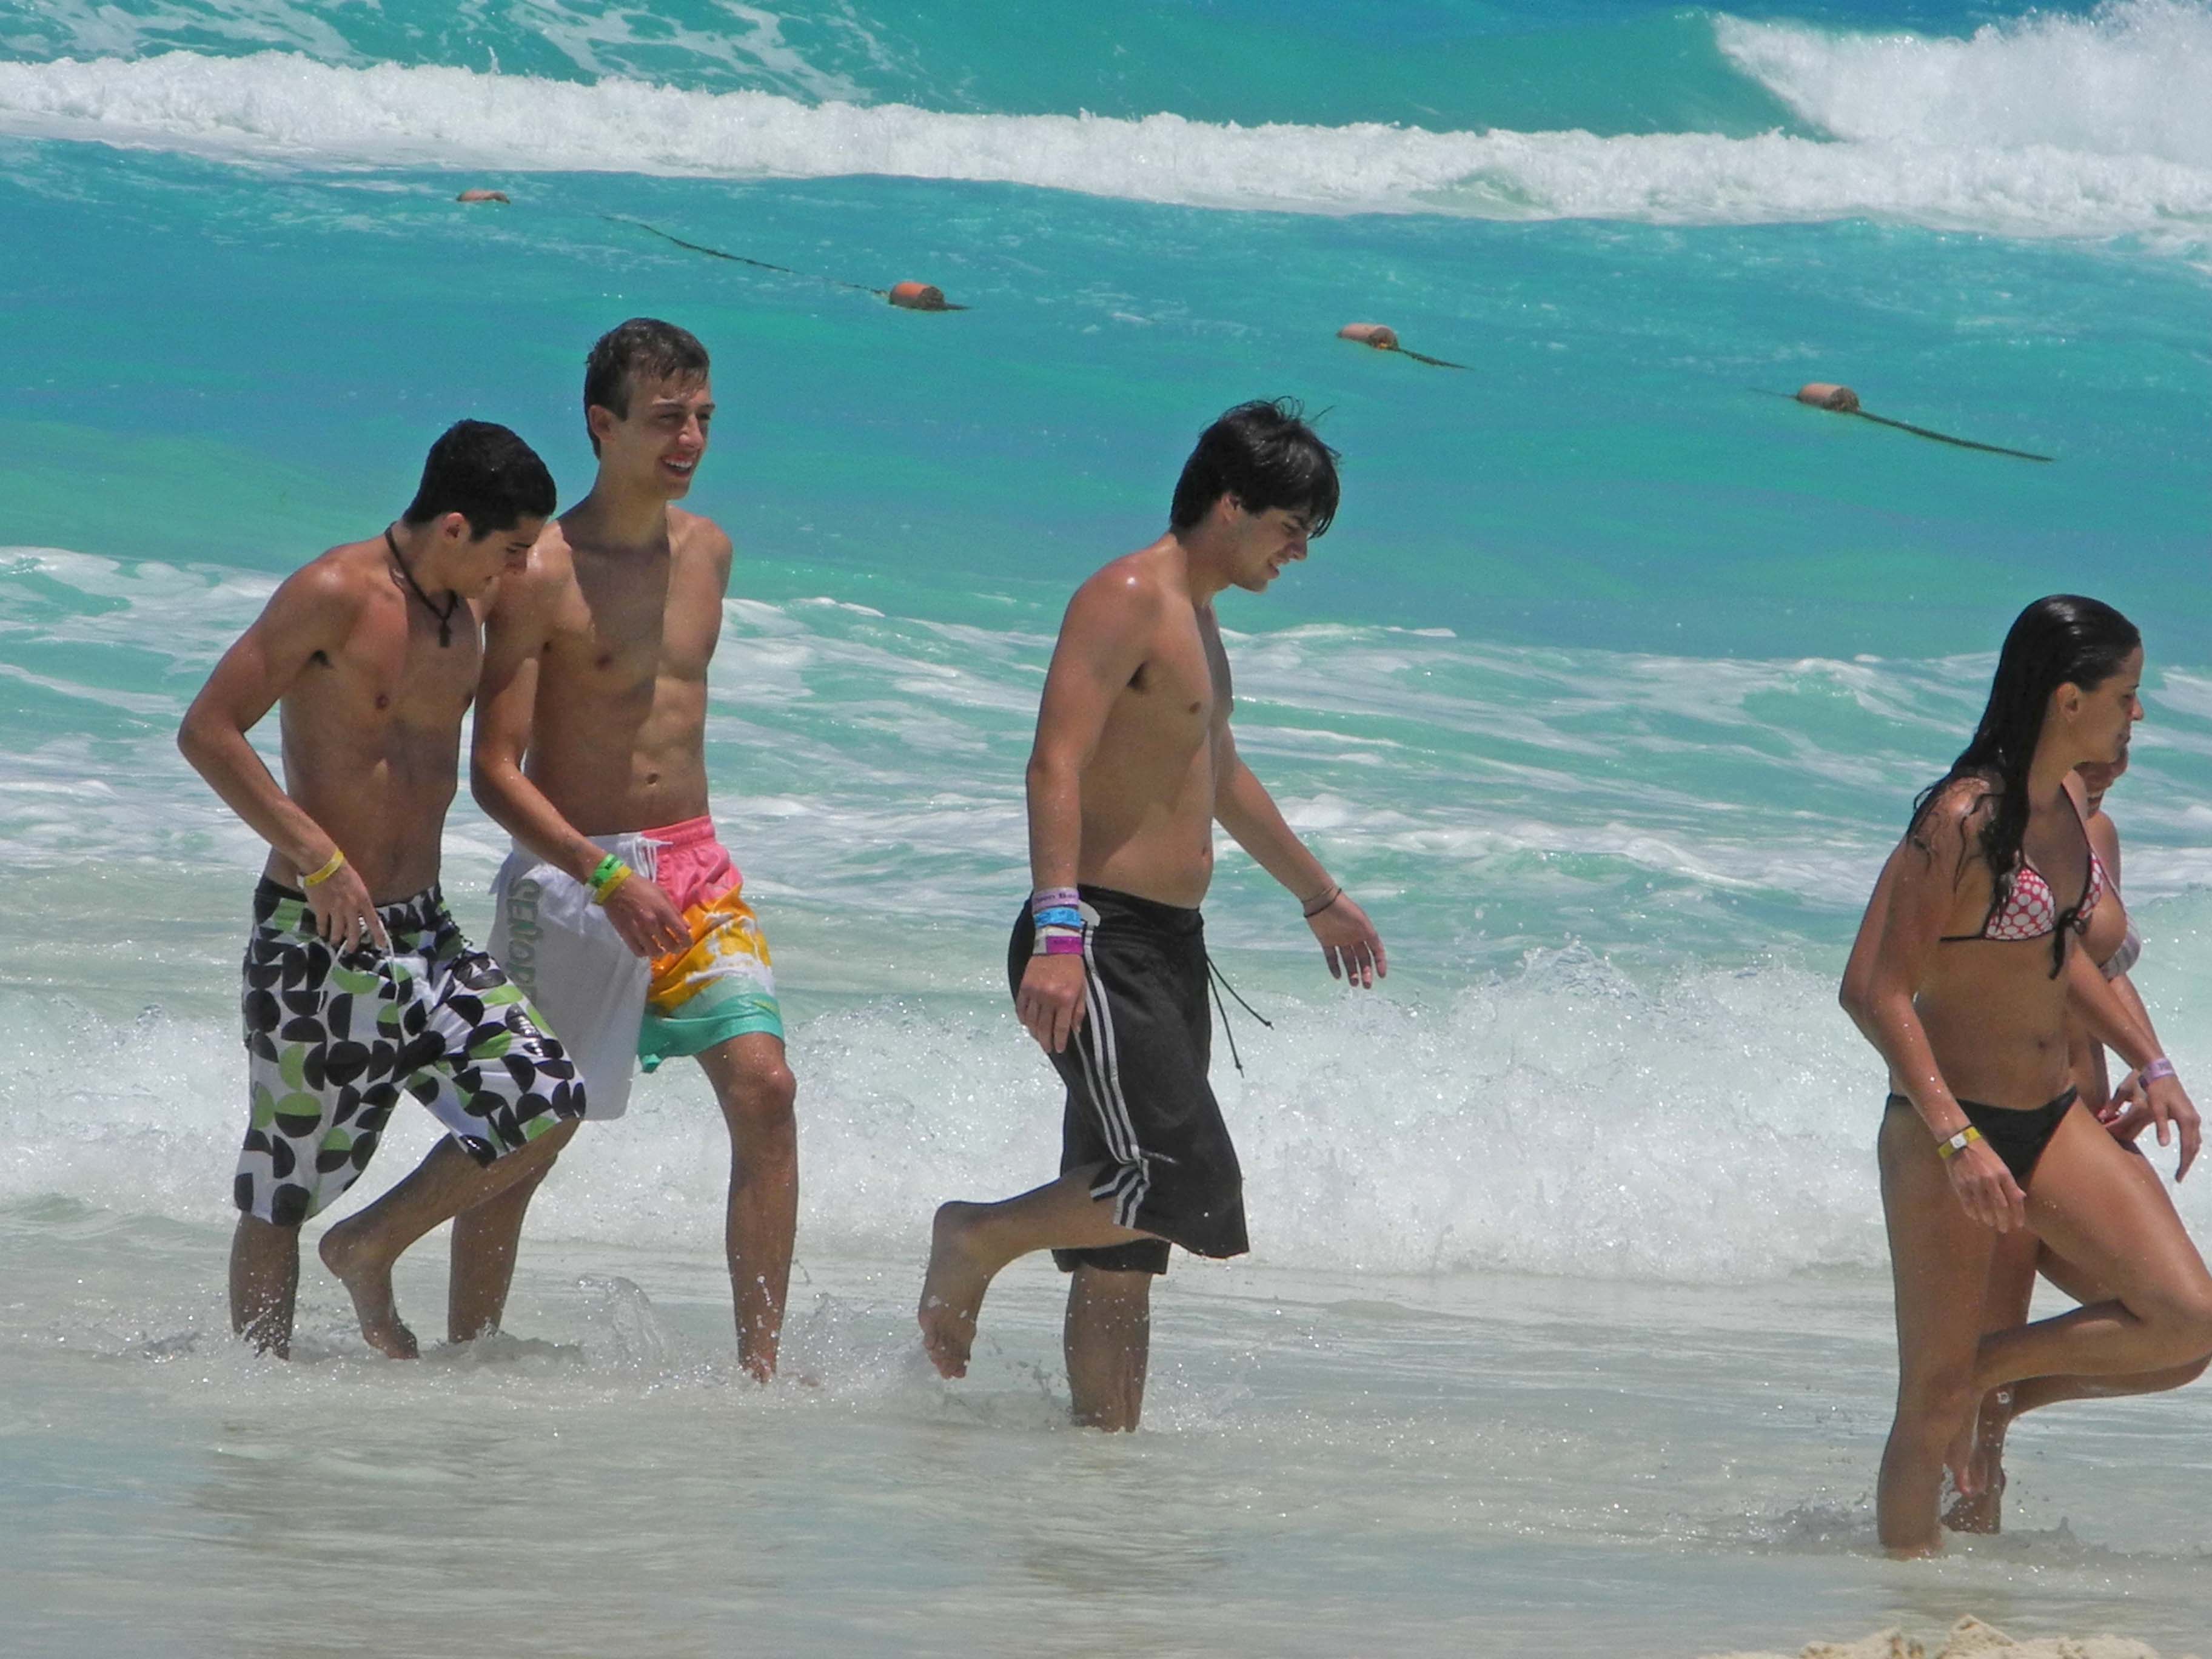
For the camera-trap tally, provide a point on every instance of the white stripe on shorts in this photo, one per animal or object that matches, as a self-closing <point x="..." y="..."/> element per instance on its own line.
<point x="1103" y="1066"/>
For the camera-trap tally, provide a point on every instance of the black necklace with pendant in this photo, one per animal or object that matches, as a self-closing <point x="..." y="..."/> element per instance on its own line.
<point x="452" y="599"/>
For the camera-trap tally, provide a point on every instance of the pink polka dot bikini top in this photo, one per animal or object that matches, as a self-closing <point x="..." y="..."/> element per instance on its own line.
<point x="2030" y="909"/>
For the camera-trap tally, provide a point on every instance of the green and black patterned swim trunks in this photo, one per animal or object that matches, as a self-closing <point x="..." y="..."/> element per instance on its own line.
<point x="332" y="1038"/>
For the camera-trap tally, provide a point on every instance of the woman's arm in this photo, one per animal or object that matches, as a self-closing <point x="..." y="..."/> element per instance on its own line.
<point x="1897" y="941"/>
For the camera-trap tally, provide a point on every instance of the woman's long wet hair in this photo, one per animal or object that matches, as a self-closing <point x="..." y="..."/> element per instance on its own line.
<point x="2061" y="640"/>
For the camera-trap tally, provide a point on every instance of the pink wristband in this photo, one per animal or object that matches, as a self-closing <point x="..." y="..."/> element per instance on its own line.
<point x="2156" y="1070"/>
<point x="1051" y="944"/>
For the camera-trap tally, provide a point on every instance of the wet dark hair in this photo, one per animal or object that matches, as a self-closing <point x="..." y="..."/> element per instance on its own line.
<point x="644" y="347"/>
<point x="486" y="475"/>
<point x="2061" y="640"/>
<point x="1264" y="454"/>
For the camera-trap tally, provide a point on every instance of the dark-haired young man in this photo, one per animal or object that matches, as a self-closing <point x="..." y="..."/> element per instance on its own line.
<point x="619" y="910"/>
<point x="1132" y="766"/>
<point x="358" y="985"/>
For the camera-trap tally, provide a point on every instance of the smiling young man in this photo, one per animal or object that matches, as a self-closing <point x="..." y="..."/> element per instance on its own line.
<point x="619" y="911"/>
<point x="358" y="985"/>
<point x="1133" y="767"/>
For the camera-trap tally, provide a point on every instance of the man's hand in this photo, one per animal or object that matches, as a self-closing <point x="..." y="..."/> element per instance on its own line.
<point x="1050" y="1001"/>
<point x="1349" y="942"/>
<point x="345" y="915"/>
<point x="2164" y="1103"/>
<point x="647" y="919"/>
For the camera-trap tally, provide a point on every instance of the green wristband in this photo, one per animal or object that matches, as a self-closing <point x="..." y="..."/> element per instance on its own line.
<point x="600" y="877"/>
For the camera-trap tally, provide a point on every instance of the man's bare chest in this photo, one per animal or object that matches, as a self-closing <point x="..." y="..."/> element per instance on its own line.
<point x="615" y="637"/>
<point x="1179" y="696"/>
<point x="385" y="696"/>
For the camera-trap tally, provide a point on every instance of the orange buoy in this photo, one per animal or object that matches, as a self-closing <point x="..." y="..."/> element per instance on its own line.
<point x="1822" y="395"/>
<point x="482" y="195"/>
<point x="1381" y="336"/>
<point x="917" y="296"/>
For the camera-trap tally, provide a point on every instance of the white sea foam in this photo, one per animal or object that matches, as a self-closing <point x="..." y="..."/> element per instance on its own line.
<point x="2115" y="141"/>
<point x="1528" y="794"/>
<point x="1677" y="1096"/>
<point x="2131" y="79"/>
<point x="1559" y="1118"/>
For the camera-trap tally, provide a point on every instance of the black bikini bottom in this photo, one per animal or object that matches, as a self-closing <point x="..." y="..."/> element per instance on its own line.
<point x="2017" y="1136"/>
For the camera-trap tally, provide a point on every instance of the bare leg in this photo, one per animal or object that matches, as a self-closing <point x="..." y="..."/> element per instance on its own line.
<point x="757" y="1090"/>
<point x="1107" y="1341"/>
<point x="2094" y="1213"/>
<point x="265" y="1282"/>
<point x="2040" y="1391"/>
<point x="486" y="1237"/>
<point x="2005" y="1405"/>
<point x="970" y="1243"/>
<point x="362" y="1249"/>
<point x="2005" y="1304"/>
<point x="1940" y="1261"/>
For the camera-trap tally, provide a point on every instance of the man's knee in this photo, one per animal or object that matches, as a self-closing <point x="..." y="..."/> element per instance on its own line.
<point x="757" y="1099"/>
<point x="254" y="1233"/>
<point x="1111" y="1292"/>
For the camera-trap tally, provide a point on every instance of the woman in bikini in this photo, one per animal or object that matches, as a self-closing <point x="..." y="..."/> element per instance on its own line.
<point x="1962" y="976"/>
<point x="2109" y="940"/>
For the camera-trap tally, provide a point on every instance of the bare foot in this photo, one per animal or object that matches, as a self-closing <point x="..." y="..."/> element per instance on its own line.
<point x="368" y="1280"/>
<point x="952" y="1290"/>
<point x="1980" y="1507"/>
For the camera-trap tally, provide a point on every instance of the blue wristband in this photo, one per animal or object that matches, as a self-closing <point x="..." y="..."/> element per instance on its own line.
<point x="1059" y="916"/>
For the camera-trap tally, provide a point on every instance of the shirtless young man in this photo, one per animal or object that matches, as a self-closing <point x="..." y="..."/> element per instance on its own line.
<point x="358" y="985"/>
<point x="1133" y="765"/>
<point x="619" y="910"/>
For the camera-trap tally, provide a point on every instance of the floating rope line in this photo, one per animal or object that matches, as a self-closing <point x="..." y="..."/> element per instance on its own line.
<point x="908" y="296"/>
<point x="1383" y="337"/>
<point x="1842" y="400"/>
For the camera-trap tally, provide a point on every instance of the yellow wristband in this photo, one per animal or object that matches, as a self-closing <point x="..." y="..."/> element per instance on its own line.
<point x="605" y="889"/>
<point x="1948" y="1150"/>
<point x="337" y="864"/>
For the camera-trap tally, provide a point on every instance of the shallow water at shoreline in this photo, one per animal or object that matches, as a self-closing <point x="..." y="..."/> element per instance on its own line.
<point x="1481" y="1463"/>
<point x="1566" y="1330"/>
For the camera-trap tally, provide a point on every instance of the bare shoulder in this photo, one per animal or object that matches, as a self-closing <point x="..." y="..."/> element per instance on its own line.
<point x="1131" y="590"/>
<point x="331" y="587"/>
<point x="695" y="534"/>
<point x="547" y="576"/>
<point x="1946" y="828"/>
<point x="2105" y="836"/>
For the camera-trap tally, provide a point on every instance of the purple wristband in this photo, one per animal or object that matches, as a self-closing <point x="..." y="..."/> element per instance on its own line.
<point x="1051" y="942"/>
<point x="2156" y="1070"/>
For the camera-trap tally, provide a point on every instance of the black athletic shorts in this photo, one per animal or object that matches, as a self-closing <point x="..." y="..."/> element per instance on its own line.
<point x="1139" y="1105"/>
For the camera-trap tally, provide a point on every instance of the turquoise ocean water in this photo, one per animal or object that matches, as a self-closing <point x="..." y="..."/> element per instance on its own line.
<point x="1606" y="695"/>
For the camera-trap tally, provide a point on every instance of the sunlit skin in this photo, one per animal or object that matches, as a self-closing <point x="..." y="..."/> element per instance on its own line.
<point x="593" y="723"/>
<point x="1133" y="765"/>
<point x="370" y="708"/>
<point x="1987" y="1021"/>
<point x="2020" y="1258"/>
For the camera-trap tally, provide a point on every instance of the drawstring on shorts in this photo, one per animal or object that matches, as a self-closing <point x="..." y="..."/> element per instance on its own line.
<point x="1218" y="982"/>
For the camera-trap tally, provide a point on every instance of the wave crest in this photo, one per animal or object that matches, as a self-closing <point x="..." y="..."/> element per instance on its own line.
<point x="2132" y="79"/>
<point x="288" y="108"/>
